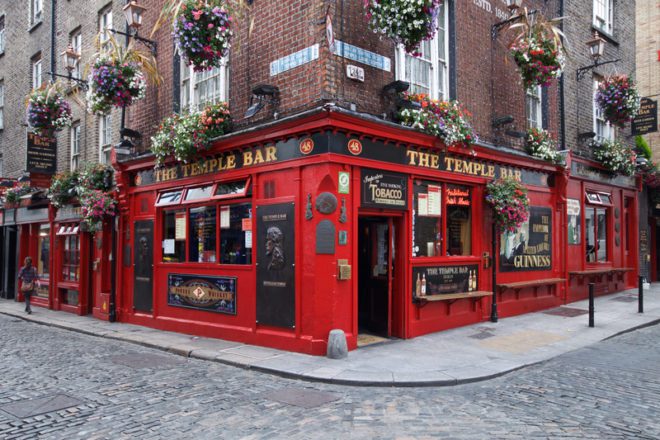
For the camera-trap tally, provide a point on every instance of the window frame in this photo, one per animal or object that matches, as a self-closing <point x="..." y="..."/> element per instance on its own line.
<point x="75" y="40"/>
<point x="439" y="68"/>
<point x="75" y="133"/>
<point x="536" y="100"/>
<point x="3" y="20"/>
<point x="608" y="130"/>
<point x="105" y="137"/>
<point x="603" y="24"/>
<point x="105" y="23"/>
<point x="2" y="104"/>
<point x="189" y="84"/>
<point x="37" y="74"/>
<point x="36" y="11"/>
<point x="596" y="210"/>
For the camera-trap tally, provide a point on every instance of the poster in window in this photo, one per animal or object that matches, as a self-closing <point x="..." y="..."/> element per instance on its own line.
<point x="434" y="200"/>
<point x="530" y="247"/>
<point x="444" y="280"/>
<point x="423" y="204"/>
<point x="224" y="217"/>
<point x="180" y="226"/>
<point x="573" y="212"/>
<point x="211" y="294"/>
<point x="275" y="243"/>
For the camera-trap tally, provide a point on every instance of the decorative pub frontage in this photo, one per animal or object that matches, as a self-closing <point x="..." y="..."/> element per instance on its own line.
<point x="330" y="220"/>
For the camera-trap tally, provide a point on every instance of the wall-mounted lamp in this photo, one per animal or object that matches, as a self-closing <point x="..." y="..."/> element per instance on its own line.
<point x="133" y="14"/>
<point x="261" y="95"/>
<point x="502" y="120"/>
<point x="513" y="5"/>
<point x="596" y="49"/>
<point x="71" y="59"/>
<point x="586" y="135"/>
<point x="392" y="93"/>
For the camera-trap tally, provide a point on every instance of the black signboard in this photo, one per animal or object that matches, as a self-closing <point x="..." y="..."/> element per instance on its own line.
<point x="384" y="190"/>
<point x="444" y="280"/>
<point x="41" y="154"/>
<point x="211" y="294"/>
<point x="530" y="247"/>
<point x="646" y="120"/>
<point x="578" y="169"/>
<point x="276" y="275"/>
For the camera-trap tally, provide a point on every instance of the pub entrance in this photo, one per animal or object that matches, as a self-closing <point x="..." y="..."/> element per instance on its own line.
<point x="379" y="279"/>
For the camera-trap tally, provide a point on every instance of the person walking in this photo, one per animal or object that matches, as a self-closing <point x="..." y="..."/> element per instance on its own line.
<point x="29" y="277"/>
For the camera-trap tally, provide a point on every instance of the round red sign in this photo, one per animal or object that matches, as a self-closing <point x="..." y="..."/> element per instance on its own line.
<point x="355" y="147"/>
<point x="306" y="146"/>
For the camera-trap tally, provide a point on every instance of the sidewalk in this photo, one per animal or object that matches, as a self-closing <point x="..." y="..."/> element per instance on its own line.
<point x="467" y="354"/>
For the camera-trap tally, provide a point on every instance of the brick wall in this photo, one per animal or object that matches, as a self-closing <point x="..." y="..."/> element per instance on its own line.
<point x="648" y="58"/>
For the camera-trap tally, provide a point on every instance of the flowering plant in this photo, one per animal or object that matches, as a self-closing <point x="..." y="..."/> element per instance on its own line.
<point x="616" y="157"/>
<point x="13" y="195"/>
<point x="95" y="206"/>
<point x="444" y="119"/>
<point x="96" y="176"/>
<point x="508" y="198"/>
<point x="63" y="188"/>
<point x="617" y="97"/>
<point x="650" y="174"/>
<point x="406" y="22"/>
<point x="537" y="48"/>
<point x="540" y="144"/>
<point x="114" y="83"/>
<point x="202" y="33"/>
<point x="183" y="136"/>
<point x="47" y="110"/>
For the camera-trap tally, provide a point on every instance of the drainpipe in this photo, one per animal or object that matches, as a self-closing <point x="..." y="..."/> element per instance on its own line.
<point x="562" y="91"/>
<point x="53" y="33"/>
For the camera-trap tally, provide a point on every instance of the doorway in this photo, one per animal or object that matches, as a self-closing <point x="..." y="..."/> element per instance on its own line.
<point x="378" y="280"/>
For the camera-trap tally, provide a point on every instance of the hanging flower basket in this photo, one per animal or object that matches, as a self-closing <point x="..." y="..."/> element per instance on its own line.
<point x="47" y="111"/>
<point x="406" y="22"/>
<point x="95" y="207"/>
<point x="13" y="195"/>
<point x="202" y="31"/>
<point x="650" y="174"/>
<point x="617" y="97"/>
<point x="537" y="48"/>
<point x="96" y="176"/>
<point x="445" y="119"/>
<point x="616" y="156"/>
<point x="540" y="144"/>
<point x="63" y="188"/>
<point x="185" y="136"/>
<point x="113" y="83"/>
<point x="510" y="204"/>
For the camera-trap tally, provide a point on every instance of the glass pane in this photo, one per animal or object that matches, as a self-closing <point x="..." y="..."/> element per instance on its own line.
<point x="203" y="192"/>
<point x="459" y="220"/>
<point x="174" y="236"/>
<point x="601" y="227"/>
<point x="169" y="198"/>
<point x="232" y="188"/>
<point x="236" y="234"/>
<point x="44" y="251"/>
<point x="590" y="239"/>
<point x="202" y="226"/>
<point x="427" y="220"/>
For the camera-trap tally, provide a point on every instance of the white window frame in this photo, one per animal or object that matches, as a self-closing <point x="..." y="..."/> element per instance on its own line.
<point x="105" y="137"/>
<point x="2" y="105"/>
<point x="105" y="23"/>
<point x="603" y="15"/>
<point x="439" y="67"/>
<point x="37" y="77"/>
<point x="76" y="43"/>
<point x="75" y="146"/>
<point x="2" y="33"/>
<point x="36" y="11"/>
<point x="603" y="129"/>
<point x="534" y="104"/>
<point x="192" y="83"/>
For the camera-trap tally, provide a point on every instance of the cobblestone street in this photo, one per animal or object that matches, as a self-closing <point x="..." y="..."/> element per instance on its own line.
<point x="60" y="384"/>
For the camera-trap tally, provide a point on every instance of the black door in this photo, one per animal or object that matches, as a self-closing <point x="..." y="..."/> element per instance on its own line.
<point x="9" y="263"/>
<point x="373" y="276"/>
<point x="143" y="266"/>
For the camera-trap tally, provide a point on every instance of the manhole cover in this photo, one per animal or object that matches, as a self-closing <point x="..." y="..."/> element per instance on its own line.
<point x="482" y="335"/>
<point x="145" y="360"/>
<point x="625" y="299"/>
<point x="304" y="398"/>
<point x="566" y="312"/>
<point x="33" y="407"/>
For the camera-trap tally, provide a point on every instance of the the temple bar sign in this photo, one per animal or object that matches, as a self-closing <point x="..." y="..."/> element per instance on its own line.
<point x="41" y="154"/>
<point x="646" y="120"/>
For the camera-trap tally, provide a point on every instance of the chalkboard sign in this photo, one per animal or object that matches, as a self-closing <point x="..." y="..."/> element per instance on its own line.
<point x="438" y="280"/>
<point x="530" y="247"/>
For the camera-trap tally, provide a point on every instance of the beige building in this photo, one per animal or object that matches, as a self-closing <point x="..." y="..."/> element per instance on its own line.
<point x="648" y="59"/>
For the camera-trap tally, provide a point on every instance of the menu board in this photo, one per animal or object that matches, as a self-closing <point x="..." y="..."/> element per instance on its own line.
<point x="530" y="247"/>
<point x="438" y="280"/>
<point x="574" y="221"/>
<point x="180" y="226"/>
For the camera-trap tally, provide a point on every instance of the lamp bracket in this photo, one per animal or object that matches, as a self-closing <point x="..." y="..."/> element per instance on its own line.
<point x="80" y="82"/>
<point x="498" y="26"/>
<point x="582" y="71"/>
<point x="151" y="44"/>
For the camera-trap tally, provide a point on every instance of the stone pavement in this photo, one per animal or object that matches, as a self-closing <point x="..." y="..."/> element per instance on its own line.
<point x="467" y="354"/>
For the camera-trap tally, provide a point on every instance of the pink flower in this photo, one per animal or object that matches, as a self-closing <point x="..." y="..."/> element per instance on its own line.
<point x="197" y="14"/>
<point x="210" y="26"/>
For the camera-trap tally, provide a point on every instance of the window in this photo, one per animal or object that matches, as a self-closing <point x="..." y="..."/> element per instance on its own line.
<point x="236" y="234"/>
<point x="596" y="234"/>
<point x="441" y="207"/>
<point x="534" y="101"/>
<point x="71" y="258"/>
<point x="36" y="72"/>
<point x="429" y="73"/>
<point x="2" y="105"/>
<point x="603" y="15"/>
<point x="169" y="198"/>
<point x="200" y="193"/>
<point x="2" y="34"/>
<point x="174" y="236"/>
<point x="603" y="129"/>
<point x="202" y="233"/>
<point x="105" y="138"/>
<point x="76" y="44"/>
<point x="36" y="11"/>
<point x="201" y="88"/>
<point x="75" y="146"/>
<point x="43" y="259"/>
<point x="105" y="23"/>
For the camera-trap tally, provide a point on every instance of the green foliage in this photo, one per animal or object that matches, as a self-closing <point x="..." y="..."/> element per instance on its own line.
<point x="643" y="147"/>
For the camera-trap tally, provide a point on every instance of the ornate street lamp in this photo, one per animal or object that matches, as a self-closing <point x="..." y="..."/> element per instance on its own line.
<point x="133" y="13"/>
<point x="71" y="59"/>
<point x="596" y="47"/>
<point x="513" y="5"/>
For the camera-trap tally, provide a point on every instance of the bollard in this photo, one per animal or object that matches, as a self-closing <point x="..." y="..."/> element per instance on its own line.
<point x="640" y="296"/>
<point x="591" y="304"/>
